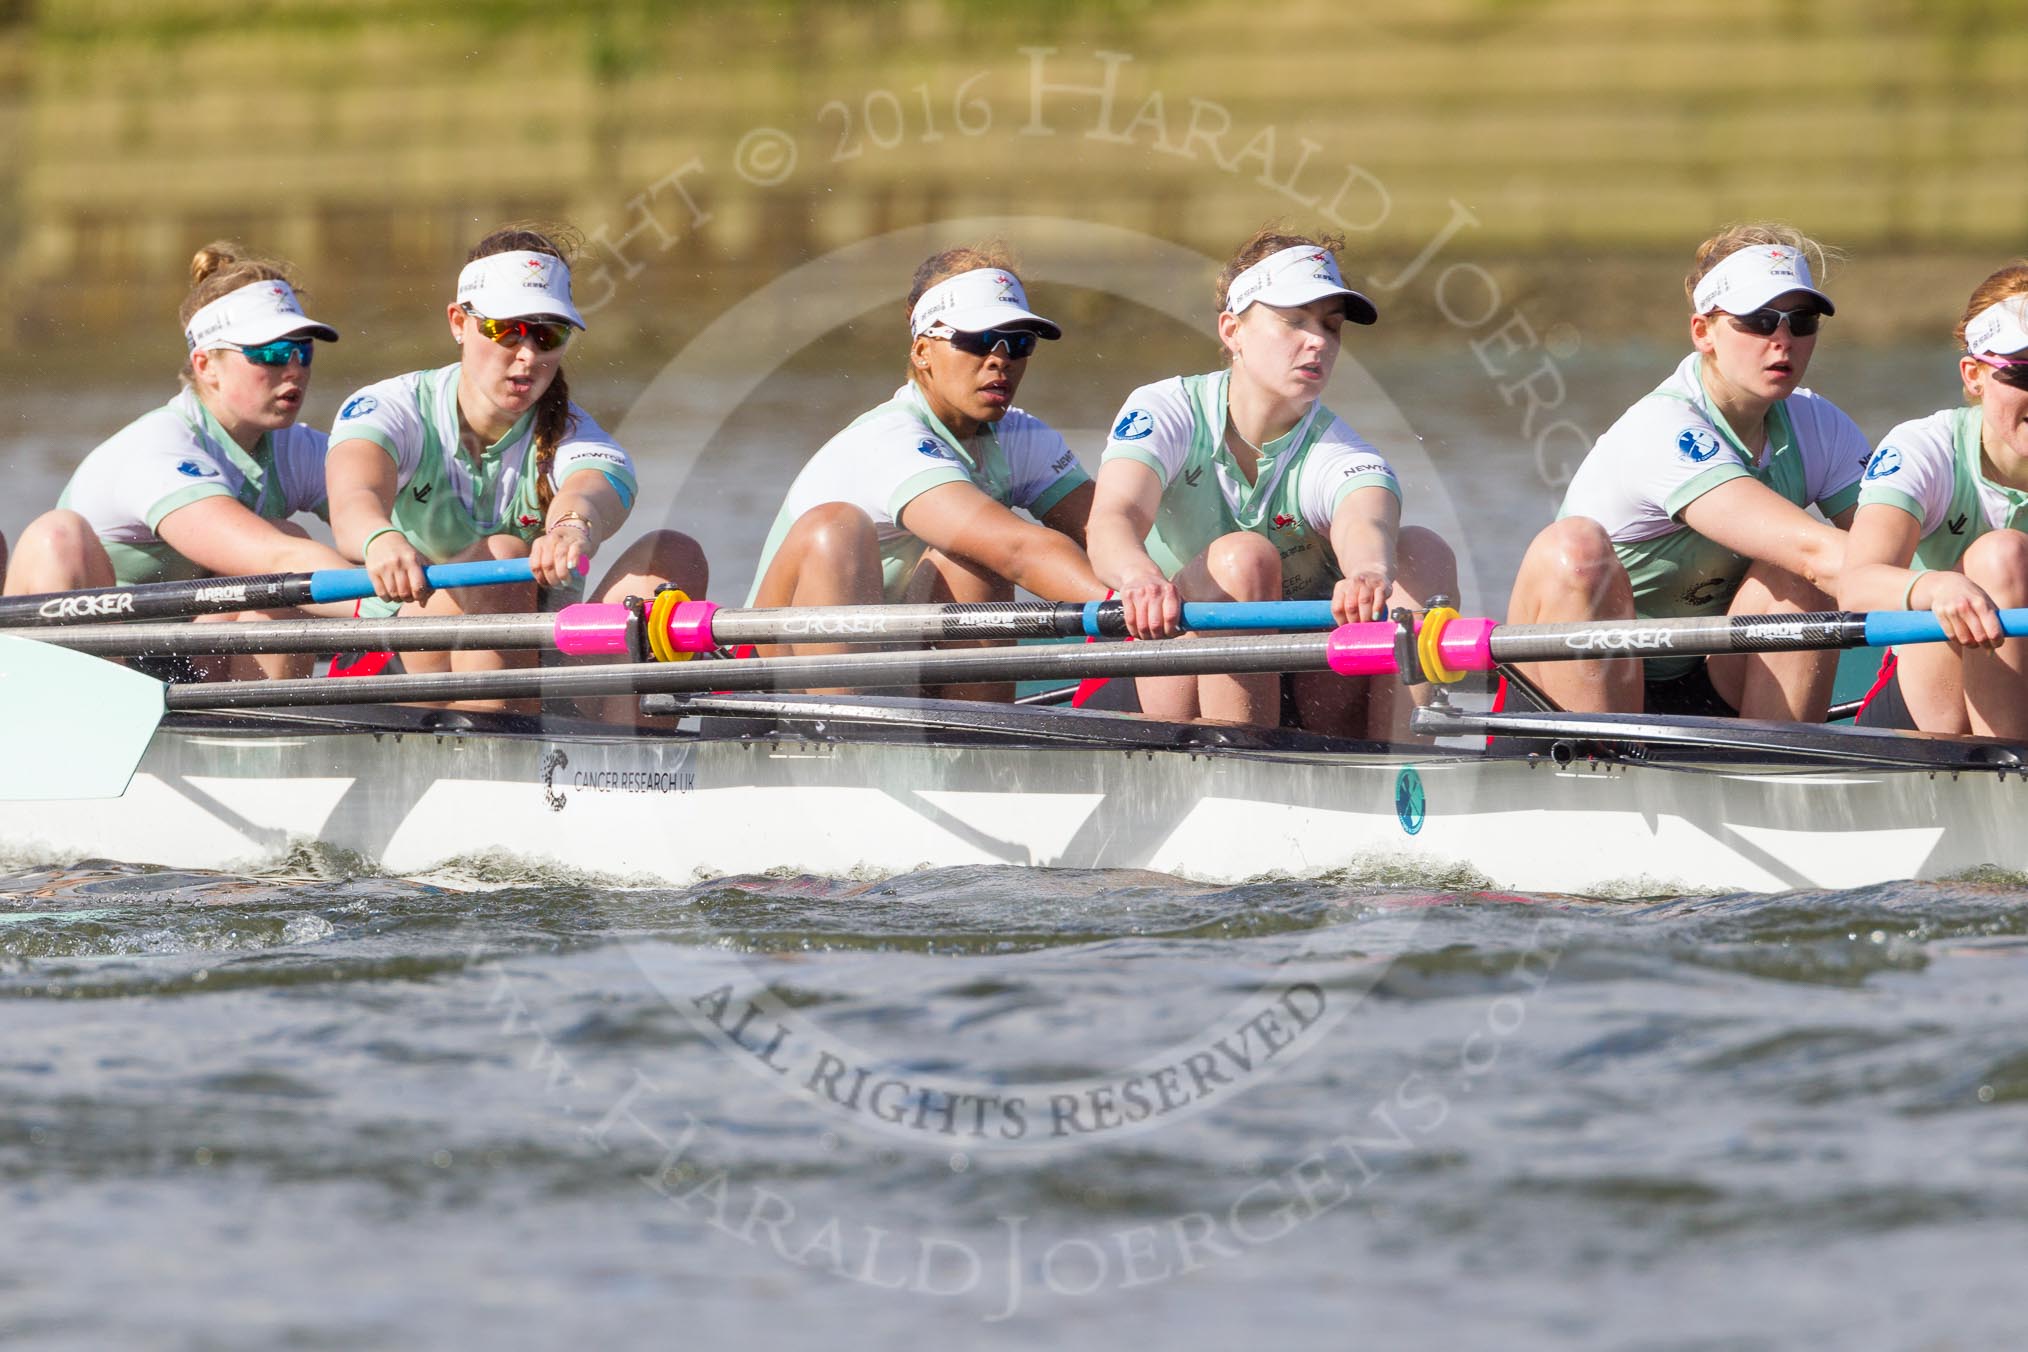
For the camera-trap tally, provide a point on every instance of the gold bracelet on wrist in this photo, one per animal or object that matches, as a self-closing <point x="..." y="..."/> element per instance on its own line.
<point x="581" y="521"/>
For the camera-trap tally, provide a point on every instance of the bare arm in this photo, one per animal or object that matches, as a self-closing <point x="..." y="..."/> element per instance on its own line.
<point x="585" y="513"/>
<point x="1122" y="513"/>
<point x="360" y="482"/>
<point x="1751" y="519"/>
<point x="964" y="523"/>
<point x="221" y="536"/>
<point x="1363" y="532"/>
<point x="1877" y="577"/>
<point x="1072" y="513"/>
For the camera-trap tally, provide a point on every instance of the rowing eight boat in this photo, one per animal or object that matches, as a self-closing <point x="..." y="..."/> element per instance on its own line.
<point x="108" y="761"/>
<point x="840" y="785"/>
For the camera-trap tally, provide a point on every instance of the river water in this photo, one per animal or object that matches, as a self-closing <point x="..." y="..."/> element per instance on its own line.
<point x="316" y="1107"/>
<point x="995" y="1107"/>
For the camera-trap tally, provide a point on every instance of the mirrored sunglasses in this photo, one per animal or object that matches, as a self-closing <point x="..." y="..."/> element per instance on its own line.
<point x="548" y="336"/>
<point x="1018" y="343"/>
<point x="1763" y="322"/>
<point x="280" y="352"/>
<point x="2005" y="370"/>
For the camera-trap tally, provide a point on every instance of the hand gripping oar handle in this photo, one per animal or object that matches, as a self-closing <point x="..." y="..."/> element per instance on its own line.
<point x="352" y="584"/>
<point x="264" y="591"/>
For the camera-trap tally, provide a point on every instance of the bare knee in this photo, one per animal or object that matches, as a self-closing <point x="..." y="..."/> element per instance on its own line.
<point x="1246" y="566"/>
<point x="672" y="556"/>
<point x="1998" y="562"/>
<point x="57" y="551"/>
<point x="62" y="533"/>
<point x="1426" y="563"/>
<point x="834" y="530"/>
<point x="1577" y="544"/>
<point x="1571" y="570"/>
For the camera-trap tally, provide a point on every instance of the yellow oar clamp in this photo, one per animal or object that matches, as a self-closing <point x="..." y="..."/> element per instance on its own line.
<point x="657" y="621"/>
<point x="1433" y="622"/>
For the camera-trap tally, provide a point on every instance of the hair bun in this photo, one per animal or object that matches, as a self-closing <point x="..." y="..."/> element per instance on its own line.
<point x="209" y="259"/>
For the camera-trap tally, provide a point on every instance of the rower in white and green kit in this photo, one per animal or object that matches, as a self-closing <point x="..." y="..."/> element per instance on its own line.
<point x="208" y="484"/>
<point x="1240" y="485"/>
<point x="1696" y="502"/>
<point x="1943" y="526"/>
<point x="490" y="458"/>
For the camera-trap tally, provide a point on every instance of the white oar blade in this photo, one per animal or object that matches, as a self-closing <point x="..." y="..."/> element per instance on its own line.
<point x="71" y="726"/>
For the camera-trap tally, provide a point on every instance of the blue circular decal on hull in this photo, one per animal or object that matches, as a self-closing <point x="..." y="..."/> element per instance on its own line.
<point x="1408" y="799"/>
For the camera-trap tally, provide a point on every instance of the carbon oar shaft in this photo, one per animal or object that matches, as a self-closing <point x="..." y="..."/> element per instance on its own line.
<point x="214" y="595"/>
<point x="1693" y="636"/>
<point x="420" y="633"/>
<point x="1353" y="650"/>
<point x="991" y="620"/>
<point x="1180" y="657"/>
<point x="593" y="629"/>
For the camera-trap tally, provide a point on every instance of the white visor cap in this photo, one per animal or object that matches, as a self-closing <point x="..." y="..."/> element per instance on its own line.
<point x="248" y="316"/>
<point x="1746" y="279"/>
<point x="2001" y="328"/>
<point x="975" y="301"/>
<point x="1293" y="278"/>
<point x="518" y="285"/>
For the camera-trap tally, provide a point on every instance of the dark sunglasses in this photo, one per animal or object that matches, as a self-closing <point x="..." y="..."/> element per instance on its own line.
<point x="1763" y="322"/>
<point x="280" y="352"/>
<point x="2007" y="372"/>
<point x="1018" y="342"/>
<point x="547" y="337"/>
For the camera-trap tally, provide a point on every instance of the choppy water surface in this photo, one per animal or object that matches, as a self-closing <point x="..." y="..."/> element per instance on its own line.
<point x="1005" y="1106"/>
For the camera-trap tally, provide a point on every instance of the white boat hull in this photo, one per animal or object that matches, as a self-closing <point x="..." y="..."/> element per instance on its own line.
<point x="418" y="803"/>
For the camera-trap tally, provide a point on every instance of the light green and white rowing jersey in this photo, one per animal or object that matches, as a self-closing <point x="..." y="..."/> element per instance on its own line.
<point x="889" y="456"/>
<point x="176" y="455"/>
<point x="1673" y="447"/>
<point x="1176" y="427"/>
<point x="1934" y="469"/>
<point x="443" y="502"/>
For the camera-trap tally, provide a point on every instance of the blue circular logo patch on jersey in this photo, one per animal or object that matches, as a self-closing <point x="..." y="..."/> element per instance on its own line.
<point x="1134" y="424"/>
<point x="195" y="470"/>
<point x="1409" y="805"/>
<point x="1696" y="444"/>
<point x="358" y="406"/>
<point x="933" y="448"/>
<point x="1886" y="462"/>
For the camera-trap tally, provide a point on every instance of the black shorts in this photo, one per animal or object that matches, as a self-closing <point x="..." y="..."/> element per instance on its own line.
<point x="1689" y="694"/>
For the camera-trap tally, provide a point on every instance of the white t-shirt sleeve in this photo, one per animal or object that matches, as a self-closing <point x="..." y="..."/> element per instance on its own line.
<point x="1041" y="467"/>
<point x="1339" y="463"/>
<point x="1837" y="451"/>
<point x="1914" y="470"/>
<point x="389" y="415"/>
<point x="299" y="460"/>
<point x="1155" y="427"/>
<point x="143" y="472"/>
<point x="878" y="464"/>
<point x="590" y="446"/>
<point x="1661" y="456"/>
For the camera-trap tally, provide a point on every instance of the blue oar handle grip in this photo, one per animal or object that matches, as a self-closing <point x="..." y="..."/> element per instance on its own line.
<point x="1887" y="627"/>
<point x="1102" y="618"/>
<point x="352" y="584"/>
